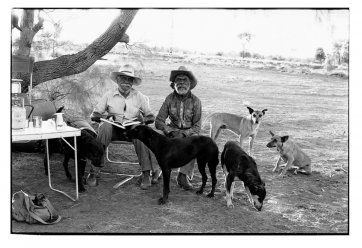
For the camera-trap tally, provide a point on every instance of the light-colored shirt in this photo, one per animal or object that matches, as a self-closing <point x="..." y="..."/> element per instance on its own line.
<point x="114" y="103"/>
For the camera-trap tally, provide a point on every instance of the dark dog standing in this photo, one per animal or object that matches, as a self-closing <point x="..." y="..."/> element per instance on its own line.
<point x="237" y="163"/>
<point x="176" y="152"/>
<point x="87" y="148"/>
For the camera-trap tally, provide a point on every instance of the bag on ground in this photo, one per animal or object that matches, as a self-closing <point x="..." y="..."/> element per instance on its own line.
<point x="33" y="209"/>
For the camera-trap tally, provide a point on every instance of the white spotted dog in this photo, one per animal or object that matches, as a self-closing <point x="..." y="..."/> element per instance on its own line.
<point x="244" y="127"/>
<point x="290" y="153"/>
<point x="237" y="163"/>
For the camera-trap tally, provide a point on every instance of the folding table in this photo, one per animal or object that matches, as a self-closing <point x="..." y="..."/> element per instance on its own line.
<point x="48" y="131"/>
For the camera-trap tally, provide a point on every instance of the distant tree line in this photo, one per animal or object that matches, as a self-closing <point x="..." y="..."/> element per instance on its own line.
<point x="340" y="53"/>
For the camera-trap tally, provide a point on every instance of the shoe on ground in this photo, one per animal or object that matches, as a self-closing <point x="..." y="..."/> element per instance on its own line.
<point x="183" y="181"/>
<point x="93" y="176"/>
<point x="145" y="180"/>
<point x="155" y="176"/>
<point x="92" y="180"/>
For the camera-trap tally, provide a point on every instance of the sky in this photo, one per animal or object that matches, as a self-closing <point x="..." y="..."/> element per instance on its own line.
<point x="286" y="32"/>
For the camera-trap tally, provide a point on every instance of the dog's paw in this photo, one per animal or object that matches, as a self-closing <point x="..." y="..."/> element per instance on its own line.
<point x="230" y="205"/>
<point x="199" y="192"/>
<point x="81" y="189"/>
<point x="210" y="195"/>
<point x="92" y="180"/>
<point x="161" y="201"/>
<point x="282" y="175"/>
<point x="305" y="172"/>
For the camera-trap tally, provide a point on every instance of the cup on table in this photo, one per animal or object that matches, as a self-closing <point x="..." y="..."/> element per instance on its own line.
<point x="37" y="121"/>
<point x="53" y="123"/>
<point x="30" y="123"/>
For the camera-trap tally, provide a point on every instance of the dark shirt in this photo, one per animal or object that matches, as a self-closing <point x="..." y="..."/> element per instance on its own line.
<point x="184" y="113"/>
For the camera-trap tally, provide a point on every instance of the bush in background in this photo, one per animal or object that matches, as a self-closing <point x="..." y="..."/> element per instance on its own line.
<point x="320" y="55"/>
<point x="78" y="93"/>
<point x="345" y="54"/>
<point x="245" y="54"/>
<point x="257" y="56"/>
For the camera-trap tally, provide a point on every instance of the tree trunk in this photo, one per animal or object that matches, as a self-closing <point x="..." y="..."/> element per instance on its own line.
<point x="67" y="65"/>
<point x="28" y="32"/>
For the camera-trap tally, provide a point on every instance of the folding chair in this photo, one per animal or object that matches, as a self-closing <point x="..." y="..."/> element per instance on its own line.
<point x="128" y="176"/>
<point x="118" y="142"/>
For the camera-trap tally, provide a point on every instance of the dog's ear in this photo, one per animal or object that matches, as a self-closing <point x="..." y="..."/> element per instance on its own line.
<point x="259" y="186"/>
<point x="264" y="110"/>
<point x="250" y="110"/>
<point x="59" y="110"/>
<point x="271" y="133"/>
<point x="284" y="138"/>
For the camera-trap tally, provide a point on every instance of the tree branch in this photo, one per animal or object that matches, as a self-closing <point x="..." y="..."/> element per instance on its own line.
<point x="67" y="65"/>
<point x="39" y="25"/>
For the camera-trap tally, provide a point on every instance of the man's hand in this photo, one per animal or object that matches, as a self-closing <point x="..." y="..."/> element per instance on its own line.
<point x="148" y="119"/>
<point x="96" y="119"/>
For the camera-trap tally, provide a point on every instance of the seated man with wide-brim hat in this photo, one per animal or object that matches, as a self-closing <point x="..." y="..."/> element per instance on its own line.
<point x="125" y="102"/>
<point x="183" y="109"/>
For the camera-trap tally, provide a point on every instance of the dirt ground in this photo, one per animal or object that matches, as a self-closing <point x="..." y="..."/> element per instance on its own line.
<point x="312" y="109"/>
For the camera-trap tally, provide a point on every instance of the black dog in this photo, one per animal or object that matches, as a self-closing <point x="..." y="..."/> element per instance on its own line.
<point x="87" y="148"/>
<point x="236" y="162"/>
<point x="176" y="152"/>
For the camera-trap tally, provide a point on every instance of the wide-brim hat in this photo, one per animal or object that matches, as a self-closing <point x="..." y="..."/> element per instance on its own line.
<point x="184" y="71"/>
<point x="126" y="70"/>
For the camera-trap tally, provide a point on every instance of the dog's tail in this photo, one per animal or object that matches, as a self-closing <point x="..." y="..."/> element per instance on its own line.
<point x="206" y="120"/>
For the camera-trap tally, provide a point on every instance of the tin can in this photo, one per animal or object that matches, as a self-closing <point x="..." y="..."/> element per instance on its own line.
<point x="16" y="85"/>
<point x="37" y="120"/>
